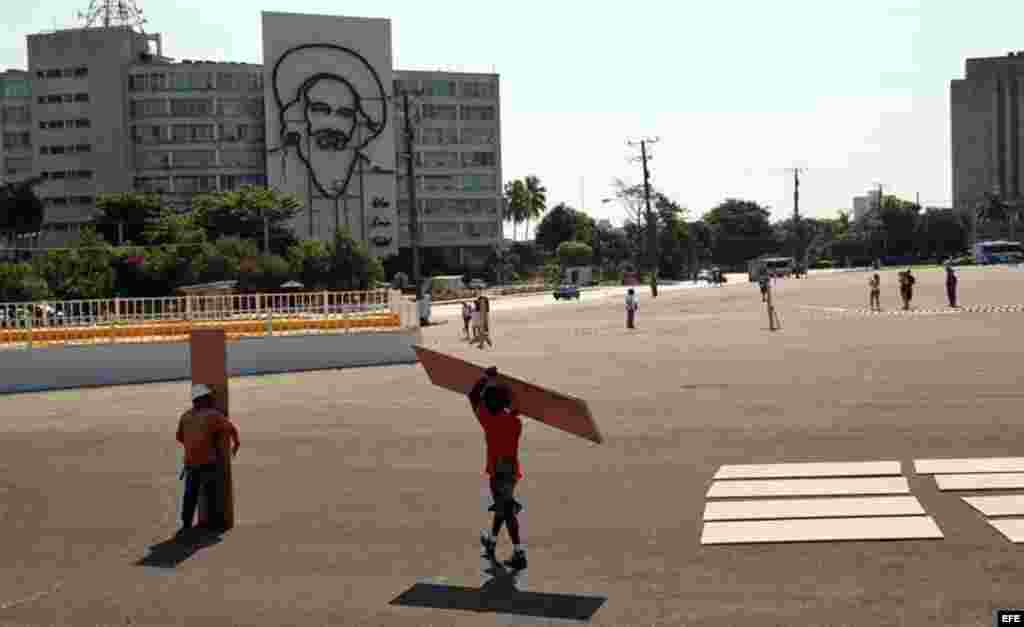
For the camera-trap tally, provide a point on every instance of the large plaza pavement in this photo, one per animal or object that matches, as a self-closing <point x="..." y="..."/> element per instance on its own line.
<point x="354" y="485"/>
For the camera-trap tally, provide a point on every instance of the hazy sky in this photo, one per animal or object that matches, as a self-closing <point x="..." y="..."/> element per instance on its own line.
<point x="857" y="92"/>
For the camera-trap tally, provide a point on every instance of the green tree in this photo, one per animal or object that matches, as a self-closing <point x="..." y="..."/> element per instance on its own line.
<point x="21" y="210"/>
<point x="84" y="271"/>
<point x="352" y="267"/>
<point x="123" y="217"/>
<point x="310" y="263"/>
<point x="536" y="200"/>
<point x="251" y="212"/>
<point x="742" y="231"/>
<point x="574" y="254"/>
<point x="176" y="229"/>
<point x="563" y="224"/>
<point x="19" y="282"/>
<point x="517" y="200"/>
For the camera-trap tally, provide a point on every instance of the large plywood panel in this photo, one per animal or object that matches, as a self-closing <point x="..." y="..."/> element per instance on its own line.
<point x="821" y="529"/>
<point x="208" y="358"/>
<point x="1001" y="505"/>
<point x="968" y="465"/>
<point x="808" y="469"/>
<point x="991" y="481"/>
<point x="567" y="413"/>
<point x="1011" y="528"/>
<point x="761" y="509"/>
<point x="808" y="487"/>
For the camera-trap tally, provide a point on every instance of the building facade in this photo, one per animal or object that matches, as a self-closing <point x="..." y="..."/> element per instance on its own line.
<point x="863" y="204"/>
<point x="986" y="108"/>
<point x="102" y="110"/>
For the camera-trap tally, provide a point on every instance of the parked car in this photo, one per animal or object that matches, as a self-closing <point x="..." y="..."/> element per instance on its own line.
<point x="567" y="291"/>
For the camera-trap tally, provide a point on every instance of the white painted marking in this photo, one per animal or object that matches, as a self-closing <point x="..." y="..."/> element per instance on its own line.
<point x="991" y="481"/>
<point x="809" y="487"/>
<point x="968" y="465"/>
<point x="813" y="508"/>
<point x="1011" y="528"/>
<point x="808" y="469"/>
<point x="1002" y="505"/>
<point x="821" y="529"/>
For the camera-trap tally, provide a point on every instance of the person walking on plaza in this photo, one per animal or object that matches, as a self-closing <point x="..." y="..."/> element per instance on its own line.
<point x="495" y="409"/>
<point x="764" y="283"/>
<point x="483" y="310"/>
<point x="951" y="281"/>
<point x="631" y="306"/>
<point x="199" y="430"/>
<point x="876" y="292"/>
<point x="907" y="281"/>
<point x="467" y="317"/>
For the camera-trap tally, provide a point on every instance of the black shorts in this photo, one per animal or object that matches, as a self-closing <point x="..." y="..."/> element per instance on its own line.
<point x="503" y="485"/>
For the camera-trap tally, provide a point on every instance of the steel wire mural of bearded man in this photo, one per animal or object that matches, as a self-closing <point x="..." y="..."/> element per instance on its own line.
<point x="333" y="135"/>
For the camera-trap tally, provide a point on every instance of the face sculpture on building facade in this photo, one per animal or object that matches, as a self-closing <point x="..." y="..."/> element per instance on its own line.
<point x="331" y="106"/>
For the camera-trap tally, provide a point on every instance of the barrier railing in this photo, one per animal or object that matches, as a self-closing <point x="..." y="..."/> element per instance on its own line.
<point x="169" y="318"/>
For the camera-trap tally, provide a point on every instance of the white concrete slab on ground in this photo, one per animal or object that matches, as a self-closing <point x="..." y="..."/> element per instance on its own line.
<point x="990" y="481"/>
<point x="1001" y="505"/>
<point x="968" y="465"/>
<point x="808" y="487"/>
<point x="808" y="469"/>
<point x="763" y="509"/>
<point x="1011" y="528"/>
<point x="821" y="529"/>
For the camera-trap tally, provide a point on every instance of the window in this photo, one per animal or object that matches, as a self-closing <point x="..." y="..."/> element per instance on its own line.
<point x="435" y="183"/>
<point x="193" y="158"/>
<point x="478" y="136"/>
<point x="192" y="133"/>
<point x="157" y="81"/>
<point x="438" y="136"/>
<point x="230" y="182"/>
<point x="478" y="183"/>
<point x="406" y="85"/>
<point x="138" y="82"/>
<point x="56" y="150"/>
<point x="17" y="140"/>
<point x="180" y="81"/>
<point x="228" y="81"/>
<point x="479" y="89"/>
<point x="68" y="72"/>
<point x="58" y="175"/>
<point x="57" y="202"/>
<point x="44" y="150"/>
<point x="16" y="114"/>
<point x="152" y="160"/>
<point x="195" y="184"/>
<point x="440" y="88"/>
<point x="55" y="124"/>
<point x="52" y="73"/>
<point x="81" y="97"/>
<point x="15" y="88"/>
<point x="81" y="72"/>
<point x="478" y="159"/>
<point x="191" y="108"/>
<point x="51" y="99"/>
<point x="160" y="184"/>
<point x="241" y="159"/>
<point x="440" y="112"/>
<point x="83" y="123"/>
<point x="438" y="159"/>
<point x="67" y="98"/>
<point x="481" y="113"/>
<point x="148" y="108"/>
<point x="40" y="74"/>
<point x="254" y="107"/>
<point x="256" y="81"/>
<point x="231" y="107"/>
<point x="17" y="167"/>
<point x="83" y="148"/>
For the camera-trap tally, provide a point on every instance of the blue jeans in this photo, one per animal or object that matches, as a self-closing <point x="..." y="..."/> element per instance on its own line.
<point x="199" y="481"/>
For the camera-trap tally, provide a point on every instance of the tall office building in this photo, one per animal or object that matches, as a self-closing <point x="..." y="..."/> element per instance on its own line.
<point x="101" y="109"/>
<point x="985" y="115"/>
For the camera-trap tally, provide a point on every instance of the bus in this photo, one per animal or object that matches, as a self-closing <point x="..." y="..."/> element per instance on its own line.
<point x="774" y="266"/>
<point x="998" y="251"/>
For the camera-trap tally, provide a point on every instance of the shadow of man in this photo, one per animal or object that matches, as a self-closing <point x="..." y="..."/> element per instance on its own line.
<point x="170" y="553"/>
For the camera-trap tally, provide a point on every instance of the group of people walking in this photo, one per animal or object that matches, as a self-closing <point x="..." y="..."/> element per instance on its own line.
<point x="907" y="282"/>
<point x="476" y="321"/>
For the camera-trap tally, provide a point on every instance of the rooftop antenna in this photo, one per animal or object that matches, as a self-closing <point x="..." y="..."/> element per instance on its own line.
<point x="107" y="13"/>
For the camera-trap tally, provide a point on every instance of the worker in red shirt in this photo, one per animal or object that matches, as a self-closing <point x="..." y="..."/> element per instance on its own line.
<point x="199" y="430"/>
<point x="493" y="406"/>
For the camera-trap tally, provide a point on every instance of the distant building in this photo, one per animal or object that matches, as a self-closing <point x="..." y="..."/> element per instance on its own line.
<point x="862" y="205"/>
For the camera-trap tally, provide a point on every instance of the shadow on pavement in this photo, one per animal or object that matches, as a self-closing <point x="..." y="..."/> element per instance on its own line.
<point x="499" y="595"/>
<point x="171" y="553"/>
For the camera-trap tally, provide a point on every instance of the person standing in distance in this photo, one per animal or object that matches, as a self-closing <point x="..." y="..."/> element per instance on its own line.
<point x="493" y="406"/>
<point x="631" y="306"/>
<point x="907" y="281"/>
<point x="951" y="281"/>
<point x="198" y="431"/>
<point x="876" y="292"/>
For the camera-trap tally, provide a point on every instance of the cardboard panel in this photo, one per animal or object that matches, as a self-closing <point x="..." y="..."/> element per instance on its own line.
<point x="764" y="509"/>
<point x="808" y="487"/>
<point x="822" y="529"/>
<point x="968" y="465"/>
<point x="1011" y="528"/>
<point x="1001" y="505"/>
<point x="808" y="469"/>
<point x="208" y="358"/>
<point x="992" y="481"/>
<point x="566" y="413"/>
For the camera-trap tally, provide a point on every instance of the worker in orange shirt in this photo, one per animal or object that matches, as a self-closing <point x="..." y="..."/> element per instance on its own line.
<point x="199" y="430"/>
<point x="493" y="406"/>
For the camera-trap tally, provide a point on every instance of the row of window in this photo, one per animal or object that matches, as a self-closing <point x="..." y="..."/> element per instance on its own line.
<point x="182" y="107"/>
<point x="196" y="184"/>
<point x="448" y="88"/>
<point x="62" y="150"/>
<point x="465" y="206"/>
<point x="468" y="113"/>
<point x="198" y="133"/>
<point x="65" y="98"/>
<point x="163" y="159"/>
<point x="189" y="81"/>
<point x="67" y="72"/>
<point x="452" y="183"/>
<point x="62" y="124"/>
<point x="17" y="166"/>
<point x="445" y="136"/>
<point x="15" y="88"/>
<point x="14" y="141"/>
<point x="16" y="114"/>
<point x="457" y="230"/>
<point x="65" y="201"/>
<point x="73" y="175"/>
<point x="437" y="160"/>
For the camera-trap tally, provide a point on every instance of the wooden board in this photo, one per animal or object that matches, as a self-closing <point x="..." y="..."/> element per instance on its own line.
<point x="1011" y="528"/>
<point x="968" y="465"/>
<point x="821" y="529"/>
<point x="209" y="364"/>
<point x="765" y="509"/>
<point x="566" y="413"/>
<point x="1001" y="505"/>
<point x="991" y="481"/>
<point x="808" y="487"/>
<point x="808" y="469"/>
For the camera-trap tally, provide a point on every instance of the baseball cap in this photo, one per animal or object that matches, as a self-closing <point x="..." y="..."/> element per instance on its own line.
<point x="199" y="390"/>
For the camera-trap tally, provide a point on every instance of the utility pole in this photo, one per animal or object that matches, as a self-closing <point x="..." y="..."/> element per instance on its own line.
<point x="414" y="227"/>
<point x="652" y="227"/>
<point x="798" y="252"/>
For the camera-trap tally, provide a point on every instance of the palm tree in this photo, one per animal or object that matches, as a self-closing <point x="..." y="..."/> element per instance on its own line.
<point x="130" y="208"/>
<point x="536" y="200"/>
<point x="515" y="203"/>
